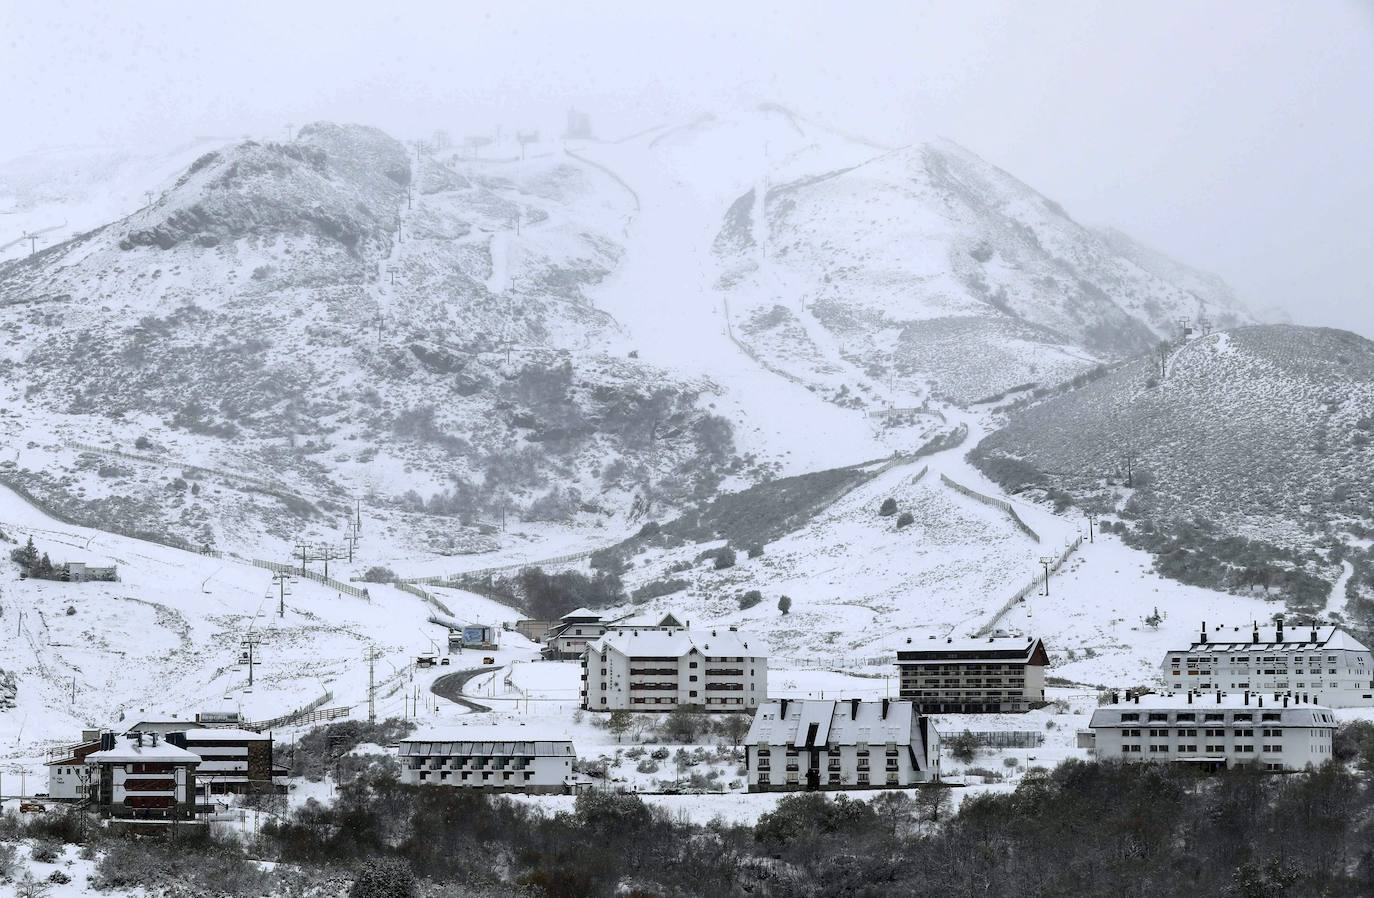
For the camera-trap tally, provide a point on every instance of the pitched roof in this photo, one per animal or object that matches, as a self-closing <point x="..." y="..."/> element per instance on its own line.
<point x="1025" y="647"/>
<point x="130" y="751"/>
<point x="1294" y="638"/>
<point x="582" y="613"/>
<point x="676" y="643"/>
<point x="781" y="722"/>
<point x="486" y="732"/>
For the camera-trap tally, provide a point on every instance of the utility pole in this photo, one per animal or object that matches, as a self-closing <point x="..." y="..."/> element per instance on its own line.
<point x="371" y="686"/>
<point x="357" y="515"/>
<point x="251" y="642"/>
<point x="73" y="691"/>
<point x="1046" y="561"/>
<point x="149" y="195"/>
<point x="280" y="578"/>
<point x="33" y="242"/>
<point x="303" y="553"/>
<point x="1092" y="519"/>
<point x="351" y="540"/>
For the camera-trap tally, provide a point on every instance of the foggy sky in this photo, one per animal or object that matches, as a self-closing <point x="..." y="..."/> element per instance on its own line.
<point x="1235" y="136"/>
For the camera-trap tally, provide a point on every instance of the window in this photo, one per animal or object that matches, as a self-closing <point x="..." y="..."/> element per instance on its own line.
<point x="1126" y="717"/>
<point x="863" y="777"/>
<point x="1126" y="734"/>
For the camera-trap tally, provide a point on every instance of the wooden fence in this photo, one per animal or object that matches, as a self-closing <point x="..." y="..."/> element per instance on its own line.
<point x="423" y="595"/>
<point x="315" y="711"/>
<point x="1003" y="504"/>
<point x="271" y="488"/>
<point x="1007" y="738"/>
<point x="1031" y="586"/>
<point x="277" y="567"/>
<point x="451" y="580"/>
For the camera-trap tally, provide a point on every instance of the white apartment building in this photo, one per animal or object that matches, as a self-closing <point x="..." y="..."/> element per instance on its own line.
<point x="1215" y="730"/>
<point x="997" y="674"/>
<point x="1322" y="664"/>
<point x="495" y="757"/>
<point x="662" y="669"/>
<point x="572" y="634"/>
<point x="820" y="745"/>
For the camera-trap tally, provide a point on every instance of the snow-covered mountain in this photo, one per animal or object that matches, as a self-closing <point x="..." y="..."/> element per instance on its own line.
<point x="926" y="265"/>
<point x="305" y="316"/>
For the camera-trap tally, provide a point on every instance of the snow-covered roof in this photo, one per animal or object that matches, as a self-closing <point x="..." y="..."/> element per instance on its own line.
<point x="1293" y="638"/>
<point x="444" y="740"/>
<point x="935" y="650"/>
<point x="1205" y="701"/>
<point x="1295" y="713"/>
<point x="657" y="643"/>
<point x="646" y="621"/>
<point x="225" y="734"/>
<point x="130" y="751"/>
<point x="781" y="722"/>
<point x="582" y="613"/>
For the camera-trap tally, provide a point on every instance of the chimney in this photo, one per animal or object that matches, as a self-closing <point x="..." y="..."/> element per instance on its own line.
<point x="107" y="741"/>
<point x="140" y="739"/>
<point x="853" y="709"/>
<point x="884" y="717"/>
<point x="1254" y="634"/>
<point x="1285" y="701"/>
<point x="1218" y="696"/>
<point x="1247" y="696"/>
<point x="782" y="709"/>
<point x="1204" y="633"/>
<point x="1314" y="632"/>
<point x="1190" y="696"/>
<point x="1278" y="629"/>
<point x="1259" y="699"/>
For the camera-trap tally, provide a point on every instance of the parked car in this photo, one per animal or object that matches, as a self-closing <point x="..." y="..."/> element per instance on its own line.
<point x="31" y="807"/>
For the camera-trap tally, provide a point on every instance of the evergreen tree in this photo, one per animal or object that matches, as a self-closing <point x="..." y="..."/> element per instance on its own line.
<point x="785" y="604"/>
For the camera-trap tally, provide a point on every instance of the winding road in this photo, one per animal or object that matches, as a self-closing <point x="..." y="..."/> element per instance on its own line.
<point x="450" y="686"/>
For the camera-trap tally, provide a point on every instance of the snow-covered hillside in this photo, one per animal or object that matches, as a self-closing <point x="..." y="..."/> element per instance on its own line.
<point x="928" y="266"/>
<point x="297" y="315"/>
<point x="1262" y="431"/>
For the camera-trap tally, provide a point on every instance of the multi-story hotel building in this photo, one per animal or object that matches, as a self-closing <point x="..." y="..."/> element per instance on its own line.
<point x="144" y="777"/>
<point x="497" y="758"/>
<point x="1214" y="730"/>
<point x="974" y="676"/>
<point x="662" y="669"/>
<point x="819" y="745"/>
<point x="1323" y="664"/>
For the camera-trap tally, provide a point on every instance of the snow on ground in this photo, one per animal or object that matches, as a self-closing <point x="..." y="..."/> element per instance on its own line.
<point x="166" y="640"/>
